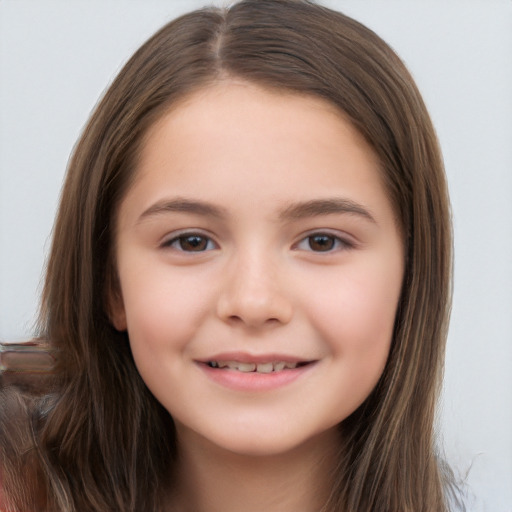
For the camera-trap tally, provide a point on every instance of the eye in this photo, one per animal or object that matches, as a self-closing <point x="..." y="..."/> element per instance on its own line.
<point x="190" y="242"/>
<point x="323" y="242"/>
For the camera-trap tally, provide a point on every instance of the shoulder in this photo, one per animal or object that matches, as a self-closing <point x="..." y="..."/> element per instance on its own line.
<point x="21" y="475"/>
<point x="4" y="507"/>
<point x="22" y="497"/>
<point x="13" y="414"/>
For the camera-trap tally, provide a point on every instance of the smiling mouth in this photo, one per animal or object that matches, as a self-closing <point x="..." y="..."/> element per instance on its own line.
<point x="267" y="367"/>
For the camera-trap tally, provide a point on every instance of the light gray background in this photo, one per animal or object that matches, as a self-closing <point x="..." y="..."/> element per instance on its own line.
<point x="56" y="57"/>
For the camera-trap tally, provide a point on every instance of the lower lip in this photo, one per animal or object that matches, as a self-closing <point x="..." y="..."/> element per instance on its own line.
<point x="254" y="381"/>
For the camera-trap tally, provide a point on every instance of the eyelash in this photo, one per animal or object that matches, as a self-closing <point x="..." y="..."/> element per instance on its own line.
<point x="332" y="242"/>
<point x="177" y="241"/>
<point x="335" y="243"/>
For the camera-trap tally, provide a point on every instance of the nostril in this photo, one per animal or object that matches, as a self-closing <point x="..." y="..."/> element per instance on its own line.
<point x="253" y="302"/>
<point x="254" y="321"/>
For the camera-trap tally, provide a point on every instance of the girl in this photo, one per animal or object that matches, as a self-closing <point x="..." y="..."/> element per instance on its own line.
<point x="248" y="287"/>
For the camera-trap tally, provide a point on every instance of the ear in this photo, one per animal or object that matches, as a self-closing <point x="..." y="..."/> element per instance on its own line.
<point x="115" y="305"/>
<point x="116" y="311"/>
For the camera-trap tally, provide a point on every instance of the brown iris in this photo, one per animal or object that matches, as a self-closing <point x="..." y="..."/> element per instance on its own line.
<point x="321" y="242"/>
<point x="195" y="243"/>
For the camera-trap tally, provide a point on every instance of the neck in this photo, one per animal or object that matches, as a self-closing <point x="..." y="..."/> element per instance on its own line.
<point x="211" y="479"/>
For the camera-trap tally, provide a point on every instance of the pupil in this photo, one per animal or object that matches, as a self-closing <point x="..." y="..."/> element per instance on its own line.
<point x="321" y="242"/>
<point x="193" y="243"/>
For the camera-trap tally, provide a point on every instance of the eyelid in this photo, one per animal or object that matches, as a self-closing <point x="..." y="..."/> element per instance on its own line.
<point x="346" y="241"/>
<point x="174" y="236"/>
<point x="341" y="239"/>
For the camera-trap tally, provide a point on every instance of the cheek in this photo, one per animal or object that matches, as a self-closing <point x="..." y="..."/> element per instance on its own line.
<point x="356" y="324"/>
<point x="356" y="316"/>
<point x="158" y="328"/>
<point x="161" y="312"/>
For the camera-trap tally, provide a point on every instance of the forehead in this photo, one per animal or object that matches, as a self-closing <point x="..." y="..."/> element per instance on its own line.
<point x="236" y="138"/>
<point x="235" y="112"/>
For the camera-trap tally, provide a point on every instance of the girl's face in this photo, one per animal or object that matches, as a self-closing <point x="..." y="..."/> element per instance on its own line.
<point x="260" y="267"/>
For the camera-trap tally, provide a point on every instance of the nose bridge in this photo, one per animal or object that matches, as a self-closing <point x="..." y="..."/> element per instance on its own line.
<point x="253" y="292"/>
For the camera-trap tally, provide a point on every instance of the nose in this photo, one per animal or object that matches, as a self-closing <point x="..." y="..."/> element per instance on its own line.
<point x="253" y="295"/>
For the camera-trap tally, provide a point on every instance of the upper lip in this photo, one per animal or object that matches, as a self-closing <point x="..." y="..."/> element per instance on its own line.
<point x="244" y="357"/>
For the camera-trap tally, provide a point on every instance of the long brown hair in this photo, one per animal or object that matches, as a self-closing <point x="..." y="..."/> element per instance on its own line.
<point x="102" y="440"/>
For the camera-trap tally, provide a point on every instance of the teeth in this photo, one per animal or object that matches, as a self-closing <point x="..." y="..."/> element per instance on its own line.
<point x="253" y="367"/>
<point x="265" y="367"/>
<point x="247" y="367"/>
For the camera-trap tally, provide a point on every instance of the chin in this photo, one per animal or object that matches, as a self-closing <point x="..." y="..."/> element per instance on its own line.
<point x="265" y="441"/>
<point x="260" y="447"/>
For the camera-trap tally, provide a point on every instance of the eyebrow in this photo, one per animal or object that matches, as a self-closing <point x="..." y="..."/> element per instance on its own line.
<point x="183" y="205"/>
<point x="329" y="206"/>
<point x="295" y="211"/>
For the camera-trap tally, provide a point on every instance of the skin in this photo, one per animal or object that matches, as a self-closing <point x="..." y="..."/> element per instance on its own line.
<point x="259" y="275"/>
